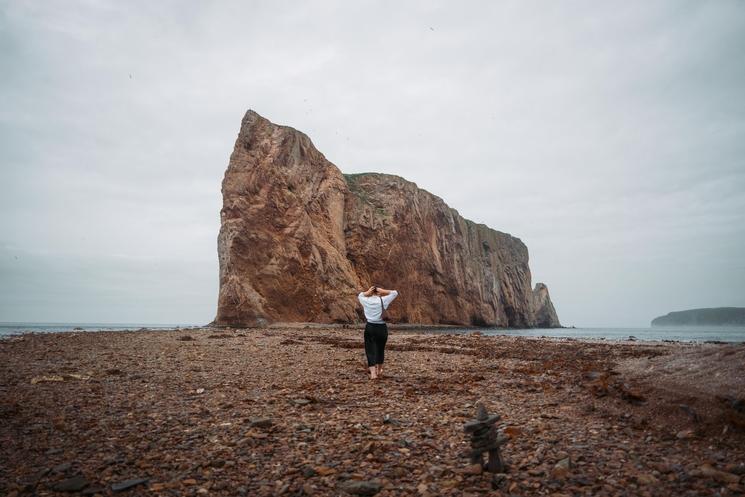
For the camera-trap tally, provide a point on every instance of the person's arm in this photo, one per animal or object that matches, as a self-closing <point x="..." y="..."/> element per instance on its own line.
<point x="369" y="292"/>
<point x="388" y="297"/>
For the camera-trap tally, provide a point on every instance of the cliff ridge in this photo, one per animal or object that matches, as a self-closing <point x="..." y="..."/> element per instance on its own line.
<point x="714" y="316"/>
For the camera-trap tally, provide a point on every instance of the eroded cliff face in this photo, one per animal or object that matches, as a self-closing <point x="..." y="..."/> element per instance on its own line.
<point x="545" y="315"/>
<point x="299" y="240"/>
<point x="447" y="269"/>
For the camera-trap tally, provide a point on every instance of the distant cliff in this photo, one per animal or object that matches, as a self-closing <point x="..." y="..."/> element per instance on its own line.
<point x="299" y="240"/>
<point x="717" y="316"/>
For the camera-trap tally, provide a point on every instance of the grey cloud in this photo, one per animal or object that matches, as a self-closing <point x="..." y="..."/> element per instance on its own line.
<point x="609" y="138"/>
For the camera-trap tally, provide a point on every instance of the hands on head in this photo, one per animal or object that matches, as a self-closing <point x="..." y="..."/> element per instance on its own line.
<point x="376" y="290"/>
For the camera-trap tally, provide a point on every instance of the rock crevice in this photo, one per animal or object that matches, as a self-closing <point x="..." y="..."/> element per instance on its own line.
<point x="299" y="240"/>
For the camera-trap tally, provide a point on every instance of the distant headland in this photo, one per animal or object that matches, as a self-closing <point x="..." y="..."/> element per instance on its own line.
<point x="715" y="316"/>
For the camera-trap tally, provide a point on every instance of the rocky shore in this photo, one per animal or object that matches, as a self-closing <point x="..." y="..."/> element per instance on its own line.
<point x="288" y="411"/>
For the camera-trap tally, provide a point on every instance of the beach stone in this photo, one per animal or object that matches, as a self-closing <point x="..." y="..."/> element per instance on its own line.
<point x="511" y="432"/>
<point x="561" y="469"/>
<point x="369" y="487"/>
<point x="220" y="485"/>
<point x="581" y="480"/>
<point x="691" y="412"/>
<point x="436" y="471"/>
<point x="30" y="484"/>
<point x="93" y="490"/>
<point x="261" y="423"/>
<point x="399" y="472"/>
<point x="308" y="472"/>
<point x="646" y="479"/>
<point x="720" y="476"/>
<point x="61" y="468"/>
<point x="498" y="480"/>
<point x="74" y="484"/>
<point x="324" y="470"/>
<point x="684" y="434"/>
<point x="387" y="419"/>
<point x="127" y="484"/>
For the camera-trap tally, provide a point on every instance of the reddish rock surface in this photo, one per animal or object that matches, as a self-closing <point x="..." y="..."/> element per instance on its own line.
<point x="299" y="240"/>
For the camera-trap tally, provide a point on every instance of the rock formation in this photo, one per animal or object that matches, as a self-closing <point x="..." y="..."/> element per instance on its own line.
<point x="715" y="316"/>
<point x="544" y="313"/>
<point x="299" y="240"/>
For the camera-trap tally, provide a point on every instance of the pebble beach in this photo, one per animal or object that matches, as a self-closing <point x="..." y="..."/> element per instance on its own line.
<point x="291" y="411"/>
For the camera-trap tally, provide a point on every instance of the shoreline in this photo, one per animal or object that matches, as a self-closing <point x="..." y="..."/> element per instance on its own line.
<point x="274" y="412"/>
<point x="414" y="329"/>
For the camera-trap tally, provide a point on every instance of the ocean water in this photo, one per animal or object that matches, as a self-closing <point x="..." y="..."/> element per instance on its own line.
<point x="676" y="333"/>
<point x="20" y="328"/>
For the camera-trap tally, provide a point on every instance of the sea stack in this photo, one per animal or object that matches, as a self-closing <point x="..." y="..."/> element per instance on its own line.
<point x="299" y="239"/>
<point x="544" y="313"/>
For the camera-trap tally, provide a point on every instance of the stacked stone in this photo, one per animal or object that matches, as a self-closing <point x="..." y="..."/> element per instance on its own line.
<point x="484" y="439"/>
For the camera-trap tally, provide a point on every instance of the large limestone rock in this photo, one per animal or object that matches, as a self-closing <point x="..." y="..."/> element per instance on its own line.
<point x="299" y="240"/>
<point x="545" y="315"/>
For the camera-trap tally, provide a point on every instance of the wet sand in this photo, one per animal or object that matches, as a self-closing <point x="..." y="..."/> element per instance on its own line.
<point x="290" y="411"/>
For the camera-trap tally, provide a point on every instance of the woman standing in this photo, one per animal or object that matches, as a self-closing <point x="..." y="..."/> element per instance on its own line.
<point x="374" y="302"/>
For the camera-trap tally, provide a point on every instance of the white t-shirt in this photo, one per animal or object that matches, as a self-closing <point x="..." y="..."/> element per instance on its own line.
<point x="372" y="307"/>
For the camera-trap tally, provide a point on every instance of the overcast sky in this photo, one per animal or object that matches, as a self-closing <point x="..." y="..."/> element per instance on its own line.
<point x="608" y="136"/>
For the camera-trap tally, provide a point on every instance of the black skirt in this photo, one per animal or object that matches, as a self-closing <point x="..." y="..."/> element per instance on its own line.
<point x="376" y="335"/>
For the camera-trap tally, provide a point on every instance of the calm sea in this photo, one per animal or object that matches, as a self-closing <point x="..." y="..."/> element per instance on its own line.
<point x="20" y="328"/>
<point x="686" y="334"/>
<point x="677" y="333"/>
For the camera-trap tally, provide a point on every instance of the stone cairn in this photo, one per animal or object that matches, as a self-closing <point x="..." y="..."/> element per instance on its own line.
<point x="484" y="438"/>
